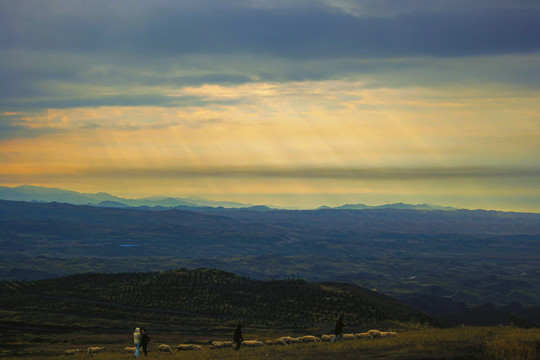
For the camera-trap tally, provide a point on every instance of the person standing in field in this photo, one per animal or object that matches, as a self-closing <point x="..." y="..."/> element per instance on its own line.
<point x="137" y="341"/>
<point x="238" y="338"/>
<point x="338" y="331"/>
<point x="144" y="342"/>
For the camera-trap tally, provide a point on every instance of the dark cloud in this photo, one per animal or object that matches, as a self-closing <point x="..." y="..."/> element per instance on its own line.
<point x="166" y="28"/>
<point x="107" y="100"/>
<point x="341" y="173"/>
<point x="61" y="53"/>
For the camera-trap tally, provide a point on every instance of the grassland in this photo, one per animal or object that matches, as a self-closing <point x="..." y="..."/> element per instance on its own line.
<point x="415" y="343"/>
<point x="41" y="319"/>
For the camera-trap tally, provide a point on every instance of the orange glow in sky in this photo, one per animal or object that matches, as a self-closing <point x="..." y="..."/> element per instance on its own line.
<point x="312" y="119"/>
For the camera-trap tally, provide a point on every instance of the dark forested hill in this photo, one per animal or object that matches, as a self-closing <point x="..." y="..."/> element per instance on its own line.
<point x="200" y="298"/>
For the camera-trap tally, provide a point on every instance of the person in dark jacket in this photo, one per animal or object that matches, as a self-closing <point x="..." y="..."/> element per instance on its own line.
<point x="338" y="331"/>
<point x="237" y="338"/>
<point x="144" y="342"/>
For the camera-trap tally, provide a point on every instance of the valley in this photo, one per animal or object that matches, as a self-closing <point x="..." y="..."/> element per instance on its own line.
<point x="450" y="264"/>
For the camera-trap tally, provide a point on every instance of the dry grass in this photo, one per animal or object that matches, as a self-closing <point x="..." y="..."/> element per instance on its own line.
<point x="518" y="345"/>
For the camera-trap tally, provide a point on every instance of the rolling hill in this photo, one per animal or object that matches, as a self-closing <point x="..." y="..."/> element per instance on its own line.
<point x="64" y="229"/>
<point x="182" y="299"/>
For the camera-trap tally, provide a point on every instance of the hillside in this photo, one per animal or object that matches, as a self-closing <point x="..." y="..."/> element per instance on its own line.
<point x="180" y="300"/>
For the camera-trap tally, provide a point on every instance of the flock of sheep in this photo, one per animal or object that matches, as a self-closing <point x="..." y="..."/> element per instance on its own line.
<point x="284" y="341"/>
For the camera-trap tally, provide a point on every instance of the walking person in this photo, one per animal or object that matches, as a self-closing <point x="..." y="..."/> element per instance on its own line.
<point x="144" y="342"/>
<point x="137" y="341"/>
<point x="238" y="338"/>
<point x="338" y="331"/>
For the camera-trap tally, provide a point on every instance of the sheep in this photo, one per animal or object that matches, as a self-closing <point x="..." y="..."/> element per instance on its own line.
<point x="252" y="343"/>
<point x="375" y="334"/>
<point x="287" y="339"/>
<point x="130" y="349"/>
<point x="269" y="342"/>
<point x="164" y="348"/>
<point x="349" y="337"/>
<point x="183" y="347"/>
<point x="389" y="334"/>
<point x="279" y="342"/>
<point x="295" y="340"/>
<point x="227" y="344"/>
<point x="71" y="352"/>
<point x="95" y="349"/>
<point x="217" y="344"/>
<point x="327" y="338"/>
<point x="310" y="339"/>
<point x="363" y="336"/>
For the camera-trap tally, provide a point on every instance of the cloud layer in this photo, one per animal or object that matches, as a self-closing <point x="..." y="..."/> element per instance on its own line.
<point x="68" y="53"/>
<point x="310" y="91"/>
<point x="303" y="30"/>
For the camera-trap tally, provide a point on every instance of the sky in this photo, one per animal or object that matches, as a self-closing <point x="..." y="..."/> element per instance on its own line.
<point x="287" y="103"/>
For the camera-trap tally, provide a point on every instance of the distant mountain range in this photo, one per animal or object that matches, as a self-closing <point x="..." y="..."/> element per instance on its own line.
<point x="392" y="206"/>
<point x="44" y="194"/>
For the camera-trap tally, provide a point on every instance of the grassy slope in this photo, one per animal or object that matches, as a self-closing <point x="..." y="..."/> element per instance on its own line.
<point x="457" y="343"/>
<point x="190" y="300"/>
<point x="437" y="286"/>
<point x="68" y="314"/>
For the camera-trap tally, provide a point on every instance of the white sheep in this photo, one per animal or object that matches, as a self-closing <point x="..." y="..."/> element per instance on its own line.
<point x="227" y="344"/>
<point x="375" y="334"/>
<point x="280" y="341"/>
<point x="218" y="344"/>
<point x="95" y="349"/>
<point x="252" y="343"/>
<point x="349" y="337"/>
<point x="269" y="342"/>
<point x="164" y="348"/>
<point x="327" y="338"/>
<point x="389" y="334"/>
<point x="287" y="339"/>
<point x="184" y="347"/>
<point x="310" y="339"/>
<point x="71" y="352"/>
<point x="363" y="336"/>
<point x="130" y="349"/>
